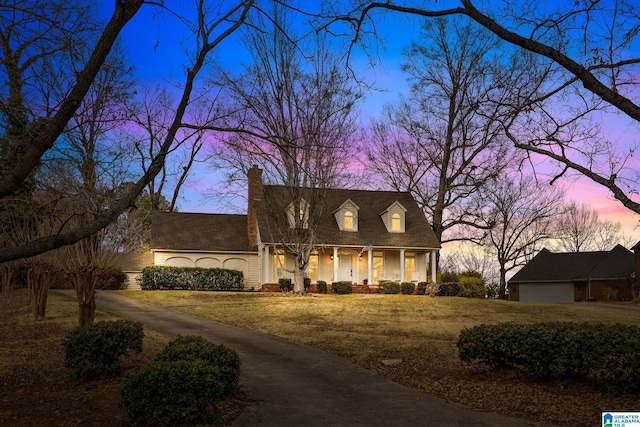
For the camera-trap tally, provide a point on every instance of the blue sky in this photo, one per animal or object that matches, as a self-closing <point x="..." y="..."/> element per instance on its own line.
<point x="154" y="42"/>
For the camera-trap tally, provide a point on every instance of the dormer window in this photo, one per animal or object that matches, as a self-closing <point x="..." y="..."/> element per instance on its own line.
<point x="302" y="215"/>
<point x="347" y="216"/>
<point x="396" y="224"/>
<point x="348" y="220"/>
<point x="394" y="218"/>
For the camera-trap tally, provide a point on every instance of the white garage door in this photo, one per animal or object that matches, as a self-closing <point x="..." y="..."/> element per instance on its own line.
<point x="547" y="292"/>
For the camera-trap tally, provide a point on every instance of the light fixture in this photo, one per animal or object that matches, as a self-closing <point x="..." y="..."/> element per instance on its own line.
<point x="331" y="256"/>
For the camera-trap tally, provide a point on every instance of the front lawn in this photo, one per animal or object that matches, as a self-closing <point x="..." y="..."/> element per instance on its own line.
<point x="411" y="339"/>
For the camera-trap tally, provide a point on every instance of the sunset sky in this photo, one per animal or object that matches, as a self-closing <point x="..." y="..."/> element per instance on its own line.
<point x="153" y="40"/>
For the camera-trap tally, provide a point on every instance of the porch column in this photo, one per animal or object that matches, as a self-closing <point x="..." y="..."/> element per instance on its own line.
<point x="335" y="264"/>
<point x="403" y="272"/>
<point x="432" y="256"/>
<point x="265" y="268"/>
<point x="370" y="265"/>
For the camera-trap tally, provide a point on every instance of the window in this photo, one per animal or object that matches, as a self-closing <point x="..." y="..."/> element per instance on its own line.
<point x="409" y="265"/>
<point x="396" y="225"/>
<point x="378" y="267"/>
<point x="348" y="220"/>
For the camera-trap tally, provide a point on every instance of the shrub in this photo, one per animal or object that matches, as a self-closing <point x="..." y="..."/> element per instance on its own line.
<point x="307" y="283"/>
<point x="608" y="353"/>
<point x="284" y="284"/>
<point x="448" y="277"/>
<point x="407" y="288"/>
<point x="191" y="278"/>
<point x="321" y="285"/>
<point x="195" y="347"/>
<point x="422" y="287"/>
<point x="172" y="394"/>
<point x="448" y="289"/>
<point x="389" y="287"/>
<point x="112" y="280"/>
<point x="95" y="350"/>
<point x="472" y="290"/>
<point x="343" y="287"/>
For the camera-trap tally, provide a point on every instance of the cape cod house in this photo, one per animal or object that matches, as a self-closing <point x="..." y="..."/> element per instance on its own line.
<point x="363" y="237"/>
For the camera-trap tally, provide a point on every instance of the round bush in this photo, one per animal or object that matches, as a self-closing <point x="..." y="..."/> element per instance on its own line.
<point x="178" y="393"/>
<point x="95" y="350"/>
<point x="344" y="287"/>
<point x="321" y="285"/>
<point x="195" y="347"/>
<point x="389" y="287"/>
<point x="407" y="288"/>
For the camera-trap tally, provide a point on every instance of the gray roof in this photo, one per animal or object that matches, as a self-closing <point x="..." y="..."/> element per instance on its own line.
<point x="549" y="266"/>
<point x="371" y="229"/>
<point x="199" y="232"/>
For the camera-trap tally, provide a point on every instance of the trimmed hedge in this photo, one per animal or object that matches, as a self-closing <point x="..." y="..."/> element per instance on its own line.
<point x="191" y="278"/>
<point x="96" y="350"/>
<point x="343" y="287"/>
<point x="389" y="287"/>
<point x="609" y="354"/>
<point x="467" y="290"/>
<point x="321" y="286"/>
<point x="284" y="284"/>
<point x="407" y="288"/>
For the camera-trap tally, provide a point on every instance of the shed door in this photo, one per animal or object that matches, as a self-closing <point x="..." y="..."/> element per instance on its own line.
<point x="547" y="292"/>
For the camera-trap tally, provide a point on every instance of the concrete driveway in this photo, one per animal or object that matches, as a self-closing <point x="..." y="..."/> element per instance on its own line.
<point x="294" y="385"/>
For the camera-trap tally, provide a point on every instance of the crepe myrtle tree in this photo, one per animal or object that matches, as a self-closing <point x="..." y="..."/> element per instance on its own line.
<point x="209" y="28"/>
<point x="294" y="108"/>
<point x="589" y="49"/>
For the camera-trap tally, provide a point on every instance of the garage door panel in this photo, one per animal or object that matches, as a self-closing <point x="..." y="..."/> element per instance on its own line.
<point x="547" y="292"/>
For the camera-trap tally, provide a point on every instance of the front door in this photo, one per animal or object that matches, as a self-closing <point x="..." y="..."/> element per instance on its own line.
<point x="346" y="268"/>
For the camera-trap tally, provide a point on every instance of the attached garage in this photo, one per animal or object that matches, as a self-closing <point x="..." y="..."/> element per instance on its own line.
<point x="546" y="292"/>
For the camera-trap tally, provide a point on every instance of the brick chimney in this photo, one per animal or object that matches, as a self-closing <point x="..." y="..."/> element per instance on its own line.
<point x="254" y="176"/>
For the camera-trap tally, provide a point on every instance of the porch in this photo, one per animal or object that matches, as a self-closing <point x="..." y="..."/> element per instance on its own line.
<point x="361" y="266"/>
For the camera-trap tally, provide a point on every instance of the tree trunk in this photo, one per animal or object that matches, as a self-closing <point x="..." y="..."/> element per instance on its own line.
<point x="7" y="273"/>
<point x="39" y="278"/>
<point x="85" y="285"/>
<point x="87" y="311"/>
<point x="298" y="287"/>
<point x="502" y="293"/>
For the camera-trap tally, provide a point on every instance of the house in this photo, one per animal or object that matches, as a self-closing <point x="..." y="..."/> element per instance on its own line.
<point x="363" y="236"/>
<point x="575" y="276"/>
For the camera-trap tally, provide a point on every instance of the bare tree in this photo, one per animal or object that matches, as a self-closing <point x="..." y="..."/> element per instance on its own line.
<point x="296" y="115"/>
<point x="210" y="28"/>
<point x="580" y="229"/>
<point x="520" y="213"/>
<point x="594" y="67"/>
<point x="445" y="142"/>
<point x="85" y="263"/>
